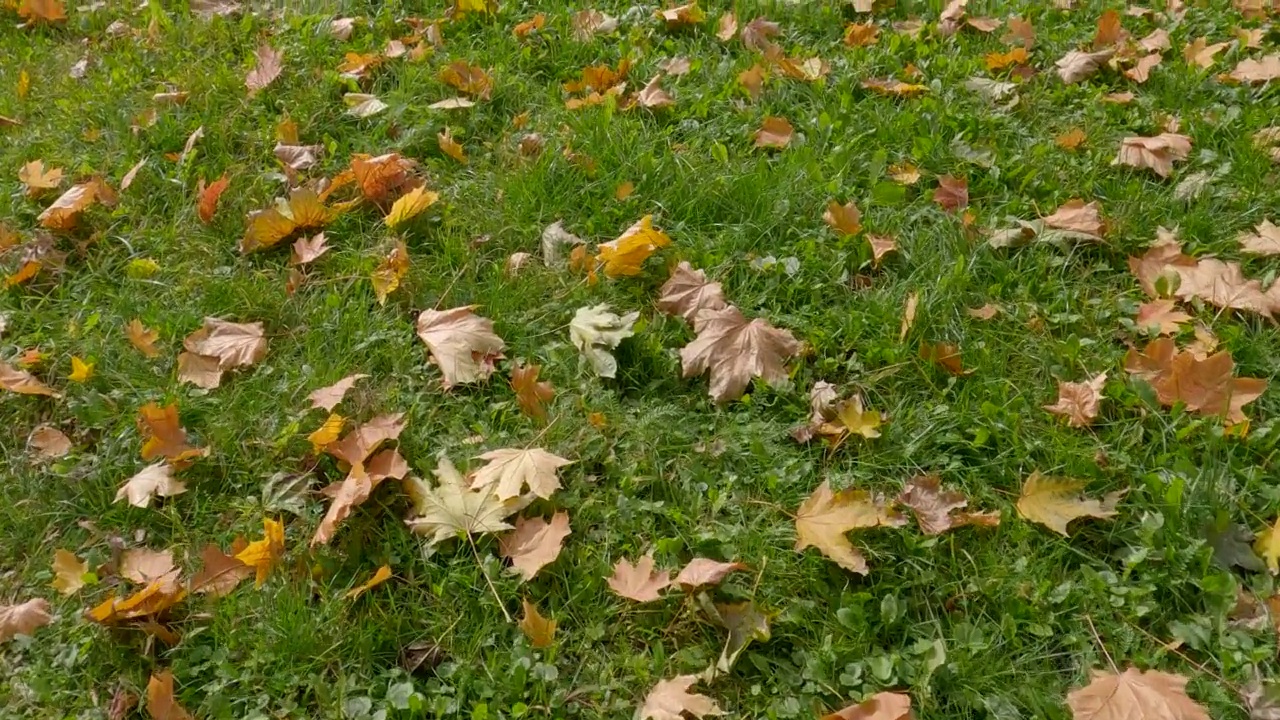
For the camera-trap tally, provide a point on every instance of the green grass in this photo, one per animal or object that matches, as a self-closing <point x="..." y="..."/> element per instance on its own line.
<point x="1015" y="607"/>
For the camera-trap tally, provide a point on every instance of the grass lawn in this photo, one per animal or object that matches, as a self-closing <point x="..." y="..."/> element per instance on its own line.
<point x="976" y="622"/>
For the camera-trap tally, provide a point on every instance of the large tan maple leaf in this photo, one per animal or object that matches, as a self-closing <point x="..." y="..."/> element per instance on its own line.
<point x="462" y="343"/>
<point x="825" y="517"/>
<point x="735" y="350"/>
<point x="450" y="507"/>
<point x="1135" y="695"/>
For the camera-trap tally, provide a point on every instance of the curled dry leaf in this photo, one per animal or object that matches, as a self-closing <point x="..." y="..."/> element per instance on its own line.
<point x="509" y="471"/>
<point x="1055" y="502"/>
<point x="825" y="517"/>
<point x="451" y="508"/>
<point x="727" y="26"/>
<point x="1201" y="54"/>
<point x="1079" y="402"/>
<point x="161" y="703"/>
<point x="306" y="250"/>
<point x="775" y="132"/>
<point x="269" y="64"/>
<point x="1255" y="72"/>
<point x="534" y="543"/>
<point x="263" y="555"/>
<point x="671" y="700"/>
<point x="1076" y="65"/>
<point x="734" y="350"/>
<point x="387" y="276"/>
<point x="935" y="508"/>
<point x="219" y="574"/>
<point x="23" y="618"/>
<point x="1141" y="70"/>
<point x="687" y="292"/>
<point x="625" y="255"/>
<point x="759" y="33"/>
<point x="1134" y="694"/>
<point x="893" y="87"/>
<point x="142" y="338"/>
<point x="843" y="219"/>
<point x="531" y="395"/>
<point x="451" y="147"/>
<point x="163" y="435"/>
<point x="68" y="572"/>
<point x="328" y="397"/>
<point x="589" y="23"/>
<point x="554" y="239"/>
<point x="652" y="96"/>
<point x="363" y="105"/>
<point x="639" y="581"/>
<point x="1155" y="153"/>
<point x="881" y="706"/>
<point x="704" y="571"/>
<point x="64" y="213"/>
<point x="381" y="575"/>
<point x="822" y="402"/>
<point x="48" y="443"/>
<point x="952" y="193"/>
<point x="23" y="382"/>
<point x="595" y="331"/>
<point x="153" y="481"/>
<point x="462" y="343"/>
<point x="541" y="631"/>
<point x="850" y="418"/>
<point x="298" y="157"/>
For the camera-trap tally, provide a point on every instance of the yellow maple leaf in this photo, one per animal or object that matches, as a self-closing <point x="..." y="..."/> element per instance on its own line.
<point x="327" y="433"/>
<point x="382" y="575"/>
<point x="410" y="205"/>
<point x="386" y="278"/>
<point x="261" y="555"/>
<point x="626" y="255"/>
<point x="81" y="371"/>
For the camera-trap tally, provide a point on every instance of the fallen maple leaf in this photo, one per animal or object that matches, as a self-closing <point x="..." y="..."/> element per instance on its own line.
<point x="1055" y="502"/>
<point x="380" y="576"/>
<point x="1156" y="153"/>
<point x="363" y="105"/>
<point x="625" y="255"/>
<point x="704" y="571"/>
<point x="466" y="78"/>
<point x="639" y="581"/>
<point x="1000" y="61"/>
<point x="207" y="197"/>
<point x="1079" y="402"/>
<point x="861" y="35"/>
<point x="824" y="518"/>
<point x="893" y="87"/>
<point x="822" y="408"/>
<point x="1163" y="316"/>
<point x="387" y="276"/>
<point x="1078" y="216"/>
<point x="462" y="343"/>
<point x="588" y="23"/>
<point x="36" y="12"/>
<point x="522" y="30"/>
<point x="163" y="435"/>
<point x="297" y="157"/>
<point x="1076" y="65"/>
<point x="269" y="64"/>
<point x="68" y="572"/>
<point x="595" y="331"/>
<point x="327" y="434"/>
<point x="1267" y="545"/>
<point x="161" y="703"/>
<point x="935" y="508"/>
<point x="307" y="250"/>
<point x="64" y="213"/>
<point x="1257" y="71"/>
<point x="359" y="444"/>
<point x="671" y="700"/>
<point x="49" y="443"/>
<point x="687" y="292"/>
<point x="328" y="397"/>
<point x="1134" y="694"/>
<point x="1109" y="31"/>
<point x="1201" y="54"/>
<point x="752" y="80"/>
<point x="952" y="193"/>
<point x="844" y="219"/>
<point x="904" y="173"/>
<point x="142" y="338"/>
<point x="410" y="205"/>
<point x="850" y="418"/>
<point x="774" y="132"/>
<point x="531" y="395"/>
<point x="1156" y="41"/>
<point x="37" y="179"/>
<point x="145" y="566"/>
<point x="1264" y="240"/>
<point x="220" y="573"/>
<point x="24" y="618"/>
<point x="541" y="631"/>
<point x="757" y="35"/>
<point x="534" y="543"/>
<point x="23" y="382"/>
<point x="509" y="470"/>
<point x="1141" y="70"/>
<point x="153" y="481"/>
<point x="218" y="346"/>
<point x="727" y="26"/>
<point x="451" y="147"/>
<point x="944" y="355"/>
<point x="734" y="350"/>
<point x="81" y="371"/>
<point x="651" y="96"/>
<point x="881" y="706"/>
<point x="262" y="555"/>
<point x="304" y="209"/>
<point x="451" y="507"/>
<point x="682" y="15"/>
<point x="880" y="245"/>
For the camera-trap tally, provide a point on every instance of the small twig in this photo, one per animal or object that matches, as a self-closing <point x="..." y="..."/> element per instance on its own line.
<point x="542" y="432"/>
<point x="768" y="504"/>
<point x="457" y="276"/>
<point x="1179" y="653"/>
<point x="489" y="582"/>
<point x="1098" y="638"/>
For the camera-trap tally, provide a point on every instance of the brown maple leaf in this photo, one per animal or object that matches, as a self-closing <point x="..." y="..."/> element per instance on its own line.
<point x="269" y="64"/>
<point x="671" y="700"/>
<point x="1076" y="65"/>
<point x="163" y="435"/>
<point x="1078" y="216"/>
<point x="638" y="582"/>
<point x="462" y="344"/>
<point x="1155" y="153"/>
<point x="1134" y="694"/>
<point x="881" y="706"/>
<point x="1079" y="402"/>
<point x="775" y="132"/>
<point x="935" y="508"/>
<point x="328" y="397"/>
<point x="219" y="346"/>
<point x="704" y="571"/>
<point x="734" y="350"/>
<point x="207" y="197"/>
<point x="687" y="292"/>
<point x="952" y="193"/>
<point x="360" y="443"/>
<point x="534" y="543"/>
<point x="531" y="395"/>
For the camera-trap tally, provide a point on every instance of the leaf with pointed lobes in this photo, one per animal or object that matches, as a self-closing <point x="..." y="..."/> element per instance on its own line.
<point x="1078" y="216"/>
<point x="468" y="79"/>
<point x="945" y="356"/>
<point x="303" y="210"/>
<point x="142" y="338"/>
<point x="23" y="382"/>
<point x="451" y="508"/>
<point x="161" y="703"/>
<point x="1134" y="695"/>
<point x="850" y="418"/>
<point x="34" y="176"/>
<point x="508" y="471"/>
<point x="23" y="618"/>
<point x="152" y="481"/>
<point x="1055" y="502"/>
<point x="1154" y="153"/>
<point x="687" y="292"/>
<point x="531" y="395"/>
<point x="844" y="219"/>
<point x="625" y="256"/>
<point x="638" y="582"/>
<point x="164" y="436"/>
<point x="462" y="344"/>
<point x="881" y="706"/>
<point x="774" y="132"/>
<point x="1205" y="385"/>
<point x="734" y="350"/>
<point x="269" y="64"/>
<point x="540" y="630"/>
<point x="682" y="15"/>
<point x="262" y="555"/>
<point x="328" y="397"/>
<point x="671" y="700"/>
<point x="1264" y="240"/>
<point x="1079" y="402"/>
<point x="825" y="517"/>
<point x="704" y="571"/>
<point x="534" y="543"/>
<point x="597" y="330"/>
<point x="1256" y="72"/>
<point x="360" y="443"/>
<point x="935" y="508"/>
<point x="652" y="96"/>
<point x="65" y="212"/>
<point x="387" y="276"/>
<point x="1161" y="316"/>
<point x="220" y="573"/>
<point x="952" y="193"/>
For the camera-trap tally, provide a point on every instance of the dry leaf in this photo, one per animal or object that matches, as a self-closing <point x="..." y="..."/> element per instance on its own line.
<point x="1267" y="545"/>
<point x="1079" y="402"/>
<point x="1163" y="316"/>
<point x="298" y="157"/>
<point x="469" y="79"/>
<point x="952" y="193"/>
<point x="410" y="205"/>
<point x="1156" y="153"/>
<point x="541" y="631"/>
<point x="262" y="555"/>
<point x="307" y="250"/>
<point x="24" y="618"/>
<point x="452" y="508"/>
<point x="774" y="132"/>
<point x="850" y="418"/>
<point x="64" y="213"/>
<point x="1264" y="240"/>
<point x="986" y="312"/>
<point x="757" y="35"/>
<point x="1205" y="385"/>
<point x="81" y="371"/>
<point x="68" y="572"/>
<point x="531" y="395"/>
<point x="595" y="331"/>
<point x="625" y="255"/>
<point x="451" y="147"/>
<point x="671" y="700"/>
<point x="727" y="26"/>
<point x="1000" y="61"/>
<point x="844" y="219"/>
<point x="229" y="344"/>
<point x="35" y="12"/>
<point x="1076" y="65"/>
<point x="1071" y="139"/>
<point x="269" y="64"/>
<point x="220" y="573"/>
<point x="145" y="566"/>
<point x="37" y="179"/>
<point x="387" y="276"/>
<point x="555" y="237"/>
<point x="462" y="343"/>
<point x="1055" y="502"/>
<point x="893" y="87"/>
<point x="1077" y="216"/>
<point x="153" y="481"/>
<point x="904" y="174"/>
<point x="682" y="15"/>
<point x="1109" y="32"/>
<point x="935" y="508"/>
<point x="1141" y="70"/>
<point x="534" y="543"/>
<point x="1257" y="71"/>
<point x="908" y="315"/>
<point x="589" y="23"/>
<point x="861" y="35"/>
<point x="703" y="571"/>
<point x="328" y="397"/>
<point x="752" y="80"/>
<point x="509" y="470"/>
<point x="1134" y="695"/>
<point x="1201" y="54"/>
<point x="363" y="105"/>
<point x="142" y="338"/>
<point x="49" y="443"/>
<point x="380" y="576"/>
<point x="687" y="292"/>
<point x="825" y="517"/>
<point x="638" y="582"/>
<point x="207" y="197"/>
<point x="161" y="703"/>
<point x="163" y="435"/>
<point x="327" y="434"/>
<point x="881" y="245"/>
<point x="522" y="30"/>
<point x="881" y="706"/>
<point x="734" y="350"/>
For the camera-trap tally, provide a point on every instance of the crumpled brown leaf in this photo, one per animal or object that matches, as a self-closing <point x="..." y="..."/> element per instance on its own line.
<point x="734" y="350"/>
<point x="534" y="543"/>
<point x="219" y="346"/>
<point x="462" y="344"/>
<point x="1155" y="153"/>
<point x="1079" y="402"/>
<point x="935" y="508"/>
<point x="1077" y="65"/>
